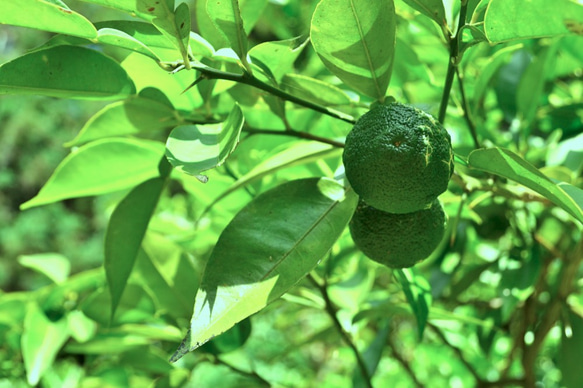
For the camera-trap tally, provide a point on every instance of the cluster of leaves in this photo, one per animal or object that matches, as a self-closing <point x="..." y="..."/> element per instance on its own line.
<point x="222" y="149"/>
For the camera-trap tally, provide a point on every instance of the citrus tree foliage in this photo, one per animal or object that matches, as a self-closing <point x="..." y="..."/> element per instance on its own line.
<point x="227" y="258"/>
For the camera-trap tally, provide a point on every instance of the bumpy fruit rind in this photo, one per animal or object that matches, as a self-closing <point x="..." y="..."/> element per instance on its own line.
<point x="397" y="240"/>
<point x="398" y="158"/>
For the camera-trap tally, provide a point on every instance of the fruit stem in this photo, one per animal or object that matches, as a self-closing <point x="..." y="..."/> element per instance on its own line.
<point x="453" y="60"/>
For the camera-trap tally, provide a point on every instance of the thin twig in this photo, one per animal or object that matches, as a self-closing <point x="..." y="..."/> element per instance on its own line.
<point x="294" y="133"/>
<point x="401" y="360"/>
<point x="466" y="109"/>
<point x="248" y="79"/>
<point x="453" y="61"/>
<point x="332" y="312"/>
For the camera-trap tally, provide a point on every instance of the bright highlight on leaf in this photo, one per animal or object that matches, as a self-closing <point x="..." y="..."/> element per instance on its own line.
<point x="100" y="167"/>
<point x="356" y="40"/>
<point x="507" y="164"/>
<point x="269" y="246"/>
<point x="511" y="19"/>
<point x="193" y="149"/>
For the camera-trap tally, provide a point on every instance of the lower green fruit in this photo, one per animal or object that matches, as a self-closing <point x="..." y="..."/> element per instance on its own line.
<point x="397" y="240"/>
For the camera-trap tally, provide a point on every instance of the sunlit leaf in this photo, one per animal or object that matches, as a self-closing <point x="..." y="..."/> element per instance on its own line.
<point x="175" y="25"/>
<point x="507" y="164"/>
<point x="226" y="16"/>
<point x="314" y="90"/>
<point x="67" y="72"/>
<point x="195" y="148"/>
<point x="48" y="16"/>
<point x="267" y="248"/>
<point x="134" y="115"/>
<point x="356" y="40"/>
<point x="418" y="293"/>
<point x="277" y="57"/>
<point x="121" y="39"/>
<point x="41" y="341"/>
<point x="100" y="167"/>
<point x="53" y="265"/>
<point x="511" y="19"/>
<point x="125" y="232"/>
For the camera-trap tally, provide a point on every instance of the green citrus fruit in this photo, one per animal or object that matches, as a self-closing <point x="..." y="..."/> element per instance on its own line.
<point x="398" y="158"/>
<point x="397" y="240"/>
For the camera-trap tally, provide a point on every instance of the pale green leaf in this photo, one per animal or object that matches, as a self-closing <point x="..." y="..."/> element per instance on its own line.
<point x="67" y="72"/>
<point x="356" y="40"/>
<point x="513" y="19"/>
<point x="119" y="38"/>
<point x="269" y="246"/>
<point x="507" y="164"/>
<point x="193" y="149"/>
<point x="175" y="25"/>
<point x="134" y="115"/>
<point x="53" y="265"/>
<point x="226" y="16"/>
<point x="48" y="16"/>
<point x="41" y="341"/>
<point x="100" y="167"/>
<point x="277" y="58"/>
<point x="314" y="90"/>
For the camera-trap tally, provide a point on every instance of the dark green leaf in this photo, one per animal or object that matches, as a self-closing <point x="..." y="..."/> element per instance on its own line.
<point x="418" y="293"/>
<point x="430" y="8"/>
<point x="507" y="20"/>
<point x="67" y="72"/>
<point x="356" y="40"/>
<point x="47" y="16"/>
<point x="507" y="164"/>
<point x="100" y="167"/>
<point x="125" y="232"/>
<point x="570" y="350"/>
<point x="267" y="248"/>
<point x="195" y="148"/>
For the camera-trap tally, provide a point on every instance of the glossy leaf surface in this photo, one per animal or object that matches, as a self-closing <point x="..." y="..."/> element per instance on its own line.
<point x="195" y="148"/>
<point x="356" y="40"/>
<point x="507" y="164"/>
<point x="511" y="19"/>
<point x="226" y="16"/>
<point x="66" y="72"/>
<point x="47" y="16"/>
<point x="267" y="248"/>
<point x="125" y="232"/>
<point x="100" y="167"/>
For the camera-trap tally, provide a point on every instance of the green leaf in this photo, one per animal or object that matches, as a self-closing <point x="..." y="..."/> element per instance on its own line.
<point x="193" y="149"/>
<point x="507" y="20"/>
<point x="119" y="38"/>
<point x="570" y="349"/>
<point x="46" y="15"/>
<point x="226" y="16"/>
<point x="137" y="114"/>
<point x="299" y="153"/>
<point x="278" y="57"/>
<point x="41" y="341"/>
<point x="67" y="72"/>
<point x="431" y="8"/>
<point x="145" y="9"/>
<point x="125" y="232"/>
<point x="53" y="265"/>
<point x="270" y="245"/>
<point x="507" y="164"/>
<point x="175" y="25"/>
<point x="356" y="40"/>
<point x="100" y="167"/>
<point x="418" y="293"/>
<point x="314" y="90"/>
